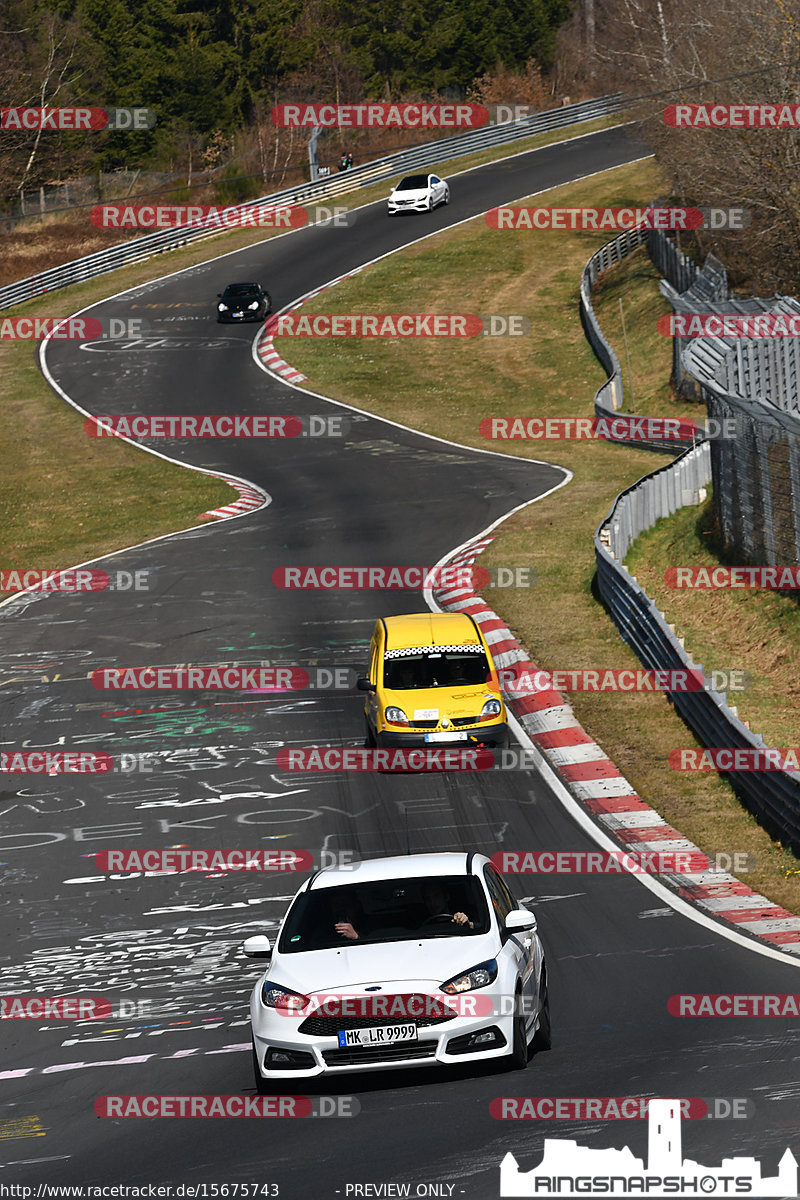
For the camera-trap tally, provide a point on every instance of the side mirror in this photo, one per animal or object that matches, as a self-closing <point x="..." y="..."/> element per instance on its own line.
<point x="219" y="295"/>
<point x="258" y="947"/>
<point x="365" y="684"/>
<point x="520" y="920"/>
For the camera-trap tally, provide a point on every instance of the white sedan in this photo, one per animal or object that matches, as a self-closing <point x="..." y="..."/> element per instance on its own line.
<point x="418" y="193"/>
<point x="417" y="960"/>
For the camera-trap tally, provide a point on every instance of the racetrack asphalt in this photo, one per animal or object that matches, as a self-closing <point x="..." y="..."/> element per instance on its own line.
<point x="381" y="495"/>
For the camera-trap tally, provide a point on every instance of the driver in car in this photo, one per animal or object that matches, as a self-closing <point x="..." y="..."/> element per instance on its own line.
<point x="437" y="904"/>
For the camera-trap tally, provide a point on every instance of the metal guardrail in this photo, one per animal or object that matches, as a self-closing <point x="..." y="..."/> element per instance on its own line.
<point x="772" y="796"/>
<point x="428" y="154"/>
<point x="609" y="397"/>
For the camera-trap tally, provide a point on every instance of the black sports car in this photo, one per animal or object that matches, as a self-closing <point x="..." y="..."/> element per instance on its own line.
<point x="243" y="302"/>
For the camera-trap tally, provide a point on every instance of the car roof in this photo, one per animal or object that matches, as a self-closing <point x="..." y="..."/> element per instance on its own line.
<point x="242" y="285"/>
<point x="430" y="629"/>
<point x="400" y="866"/>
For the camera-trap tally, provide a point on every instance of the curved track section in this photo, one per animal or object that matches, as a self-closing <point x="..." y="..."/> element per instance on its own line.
<point x="166" y="948"/>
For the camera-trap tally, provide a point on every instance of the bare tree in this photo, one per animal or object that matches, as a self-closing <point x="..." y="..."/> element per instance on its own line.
<point x="734" y="52"/>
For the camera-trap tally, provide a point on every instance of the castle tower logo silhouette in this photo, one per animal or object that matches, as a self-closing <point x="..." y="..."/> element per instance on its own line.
<point x="568" y="1169"/>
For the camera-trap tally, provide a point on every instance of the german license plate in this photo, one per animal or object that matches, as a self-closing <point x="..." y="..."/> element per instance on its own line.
<point x="381" y="1035"/>
<point x="446" y="737"/>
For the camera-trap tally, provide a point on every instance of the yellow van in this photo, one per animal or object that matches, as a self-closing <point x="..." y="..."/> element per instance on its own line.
<point x="432" y="681"/>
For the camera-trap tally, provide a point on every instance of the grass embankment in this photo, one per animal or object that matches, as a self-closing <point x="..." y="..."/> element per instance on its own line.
<point x="446" y="388"/>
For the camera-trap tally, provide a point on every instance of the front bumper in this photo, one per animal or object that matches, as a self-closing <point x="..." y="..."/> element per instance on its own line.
<point x="492" y="736"/>
<point x="394" y="206"/>
<point x="233" y="319"/>
<point x="438" y="1045"/>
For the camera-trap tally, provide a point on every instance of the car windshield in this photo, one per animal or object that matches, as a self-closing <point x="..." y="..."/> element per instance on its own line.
<point x="387" y="910"/>
<point x="241" y="289"/>
<point x="412" y="183"/>
<point x="431" y="670"/>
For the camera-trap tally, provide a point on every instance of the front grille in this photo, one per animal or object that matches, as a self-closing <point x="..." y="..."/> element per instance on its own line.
<point x="422" y="724"/>
<point x="465" y="720"/>
<point x="330" y="1026"/>
<point x="352" y="1056"/>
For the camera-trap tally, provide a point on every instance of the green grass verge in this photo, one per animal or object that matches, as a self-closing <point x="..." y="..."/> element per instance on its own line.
<point x="447" y="387"/>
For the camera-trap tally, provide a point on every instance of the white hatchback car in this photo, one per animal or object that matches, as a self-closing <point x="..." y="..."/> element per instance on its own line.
<point x="410" y="961"/>
<point x="418" y="193"/>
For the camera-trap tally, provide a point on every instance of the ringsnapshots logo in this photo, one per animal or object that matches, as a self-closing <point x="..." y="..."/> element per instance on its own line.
<point x="380" y="116"/>
<point x="60" y="120"/>
<point x="398" y="325"/>
<point x="567" y="1169"/>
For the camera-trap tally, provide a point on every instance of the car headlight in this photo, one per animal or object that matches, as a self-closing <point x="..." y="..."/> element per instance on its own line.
<point x="222" y="308"/>
<point x="476" y="977"/>
<point x="252" y="307"/>
<point x="395" y="716"/>
<point x="274" y="996"/>
<point x="492" y="708"/>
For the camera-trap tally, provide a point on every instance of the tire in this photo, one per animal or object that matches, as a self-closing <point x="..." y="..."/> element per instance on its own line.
<point x="262" y="1086"/>
<point x="517" y="1060"/>
<point x="370" y="741"/>
<point x="542" y="1039"/>
<point x="446" y="197"/>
